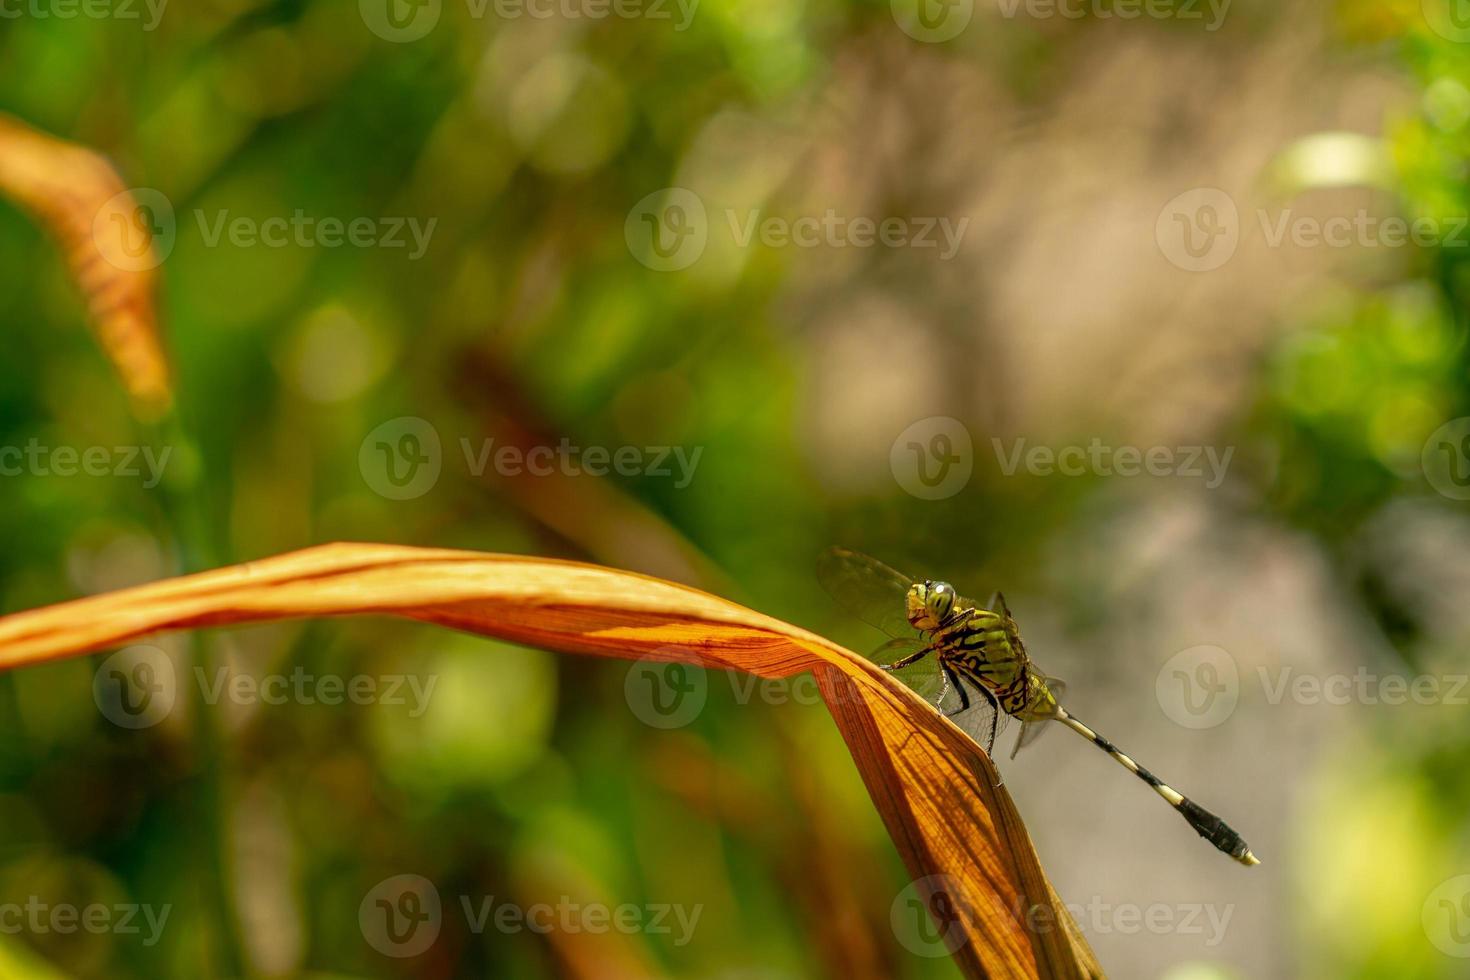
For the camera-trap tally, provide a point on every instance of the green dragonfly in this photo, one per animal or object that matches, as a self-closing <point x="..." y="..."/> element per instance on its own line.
<point x="967" y="659"/>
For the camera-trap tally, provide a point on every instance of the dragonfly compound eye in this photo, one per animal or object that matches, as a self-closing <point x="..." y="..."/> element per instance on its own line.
<point x="941" y="600"/>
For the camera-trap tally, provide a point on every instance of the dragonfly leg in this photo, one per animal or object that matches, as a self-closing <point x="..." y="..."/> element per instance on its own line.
<point x="994" y="721"/>
<point x="994" y="724"/>
<point x="914" y="657"/>
<point x="950" y="678"/>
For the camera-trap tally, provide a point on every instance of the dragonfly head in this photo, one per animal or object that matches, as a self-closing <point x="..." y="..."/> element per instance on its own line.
<point x="930" y="604"/>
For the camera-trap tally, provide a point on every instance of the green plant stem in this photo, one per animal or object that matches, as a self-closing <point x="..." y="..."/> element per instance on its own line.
<point x="186" y="510"/>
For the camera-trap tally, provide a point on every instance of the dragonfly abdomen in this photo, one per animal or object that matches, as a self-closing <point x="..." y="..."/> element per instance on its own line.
<point x="1205" y="823"/>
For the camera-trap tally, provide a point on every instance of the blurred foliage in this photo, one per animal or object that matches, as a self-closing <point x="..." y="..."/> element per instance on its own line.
<point x="528" y="141"/>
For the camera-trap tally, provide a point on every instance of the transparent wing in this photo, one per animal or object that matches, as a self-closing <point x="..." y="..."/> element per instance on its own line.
<point x="925" y="677"/>
<point x="988" y="604"/>
<point x="960" y="700"/>
<point x="923" y="674"/>
<point x="973" y="709"/>
<point x="1032" y="730"/>
<point x="994" y="602"/>
<point x="867" y="588"/>
<point x="897" y="650"/>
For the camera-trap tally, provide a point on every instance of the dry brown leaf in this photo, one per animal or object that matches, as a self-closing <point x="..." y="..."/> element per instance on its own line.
<point x="936" y="791"/>
<point x="80" y="199"/>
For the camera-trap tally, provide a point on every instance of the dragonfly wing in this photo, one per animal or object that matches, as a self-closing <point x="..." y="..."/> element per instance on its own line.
<point x="973" y="709"/>
<point x="868" y="589"/>
<point x="925" y="677"/>
<point x="988" y="605"/>
<point x="896" y="650"/>
<point x="1032" y="730"/>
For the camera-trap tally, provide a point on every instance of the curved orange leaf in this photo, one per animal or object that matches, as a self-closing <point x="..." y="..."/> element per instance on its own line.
<point x="85" y="205"/>
<point x="936" y="790"/>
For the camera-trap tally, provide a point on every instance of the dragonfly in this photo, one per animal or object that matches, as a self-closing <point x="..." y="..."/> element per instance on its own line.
<point x="967" y="659"/>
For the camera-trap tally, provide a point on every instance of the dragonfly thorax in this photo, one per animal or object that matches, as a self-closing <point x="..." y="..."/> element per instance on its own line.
<point x="930" y="604"/>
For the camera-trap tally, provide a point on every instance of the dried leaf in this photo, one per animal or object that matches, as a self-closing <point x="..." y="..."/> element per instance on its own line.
<point x="936" y="791"/>
<point x="80" y="199"/>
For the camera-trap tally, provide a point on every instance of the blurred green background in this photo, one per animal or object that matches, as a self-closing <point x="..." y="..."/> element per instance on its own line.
<point x="539" y="310"/>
